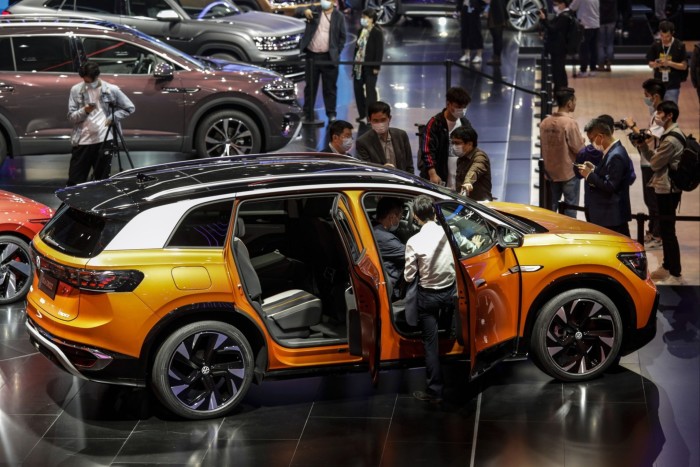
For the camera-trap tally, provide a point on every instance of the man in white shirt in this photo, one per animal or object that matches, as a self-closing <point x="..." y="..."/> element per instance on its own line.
<point x="429" y="260"/>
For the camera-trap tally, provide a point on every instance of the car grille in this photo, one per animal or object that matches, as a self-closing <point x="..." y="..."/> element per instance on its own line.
<point x="277" y="43"/>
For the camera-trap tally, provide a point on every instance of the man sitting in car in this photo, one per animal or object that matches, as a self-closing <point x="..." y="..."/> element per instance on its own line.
<point x="387" y="219"/>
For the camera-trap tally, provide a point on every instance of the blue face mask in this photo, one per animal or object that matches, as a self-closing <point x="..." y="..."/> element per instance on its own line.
<point x="364" y="22"/>
<point x="325" y="4"/>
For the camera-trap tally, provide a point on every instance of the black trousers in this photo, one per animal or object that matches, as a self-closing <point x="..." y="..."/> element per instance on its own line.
<point x="668" y="203"/>
<point x="650" y="201"/>
<point x="588" y="53"/>
<point x="365" y="90"/>
<point x="430" y="305"/>
<point x="470" y="25"/>
<point x="329" y="76"/>
<point x="497" y="37"/>
<point x="559" y="78"/>
<point x="85" y="157"/>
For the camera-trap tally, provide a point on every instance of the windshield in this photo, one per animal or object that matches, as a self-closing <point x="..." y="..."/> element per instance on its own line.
<point x="169" y="51"/>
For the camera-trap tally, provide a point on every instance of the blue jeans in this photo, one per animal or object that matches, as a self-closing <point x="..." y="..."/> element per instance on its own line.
<point x="606" y="39"/>
<point x="672" y="95"/>
<point x="571" y="189"/>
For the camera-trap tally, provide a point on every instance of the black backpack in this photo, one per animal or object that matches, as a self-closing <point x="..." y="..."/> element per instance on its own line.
<point x="574" y="33"/>
<point x="686" y="175"/>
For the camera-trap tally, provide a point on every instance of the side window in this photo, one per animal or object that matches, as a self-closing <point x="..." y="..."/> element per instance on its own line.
<point x="203" y="227"/>
<point x="147" y="8"/>
<point x="95" y="6"/>
<point x="42" y="54"/>
<point x="6" y="62"/>
<point x="472" y="234"/>
<point x="56" y="4"/>
<point x="118" y="56"/>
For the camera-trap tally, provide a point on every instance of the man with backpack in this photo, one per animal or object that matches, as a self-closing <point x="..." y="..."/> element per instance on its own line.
<point x="558" y="38"/>
<point x="666" y="157"/>
<point x="669" y="60"/>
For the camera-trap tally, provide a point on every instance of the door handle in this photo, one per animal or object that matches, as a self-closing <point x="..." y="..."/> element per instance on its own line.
<point x="480" y="283"/>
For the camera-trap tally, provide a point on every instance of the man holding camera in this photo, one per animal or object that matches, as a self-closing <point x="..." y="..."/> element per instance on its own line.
<point x="92" y="105"/>
<point x="667" y="154"/>
<point x="654" y="91"/>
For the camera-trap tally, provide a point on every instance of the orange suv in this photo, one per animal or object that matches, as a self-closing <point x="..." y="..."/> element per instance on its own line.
<point x="198" y="278"/>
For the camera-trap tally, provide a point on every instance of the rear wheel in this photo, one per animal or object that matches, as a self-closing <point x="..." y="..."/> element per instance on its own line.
<point x="227" y="133"/>
<point x="577" y="335"/>
<point x="16" y="270"/>
<point x="387" y="11"/>
<point x="523" y="15"/>
<point x="203" y="370"/>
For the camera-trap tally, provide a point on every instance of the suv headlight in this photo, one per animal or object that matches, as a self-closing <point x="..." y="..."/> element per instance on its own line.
<point x="278" y="43"/>
<point x="637" y="262"/>
<point x="281" y="90"/>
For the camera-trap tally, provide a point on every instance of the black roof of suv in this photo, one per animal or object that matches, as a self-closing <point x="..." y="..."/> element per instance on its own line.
<point x="182" y="103"/>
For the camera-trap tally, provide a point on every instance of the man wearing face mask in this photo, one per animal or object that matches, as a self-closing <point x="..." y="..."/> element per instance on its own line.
<point x="323" y="40"/>
<point x="339" y="137"/>
<point x="434" y="162"/>
<point x="90" y="106"/>
<point x="387" y="219"/>
<point x="654" y="91"/>
<point x="383" y="144"/>
<point x="667" y="154"/>
<point x="608" y="183"/>
<point x="473" y="177"/>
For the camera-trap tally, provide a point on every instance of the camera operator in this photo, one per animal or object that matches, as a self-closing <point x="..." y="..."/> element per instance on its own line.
<point x="654" y="91"/>
<point x="92" y="105"/>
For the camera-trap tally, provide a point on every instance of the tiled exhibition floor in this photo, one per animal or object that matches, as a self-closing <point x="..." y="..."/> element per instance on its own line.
<point x="644" y="412"/>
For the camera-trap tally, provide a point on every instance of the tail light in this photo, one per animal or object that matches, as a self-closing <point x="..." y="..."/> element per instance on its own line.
<point x="93" y="280"/>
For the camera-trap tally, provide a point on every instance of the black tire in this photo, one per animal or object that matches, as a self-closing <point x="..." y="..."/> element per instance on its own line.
<point x="387" y="11"/>
<point x="16" y="269"/>
<point x="523" y="15"/>
<point x="577" y="335"/>
<point x="227" y="133"/>
<point x="3" y="149"/>
<point x="229" y="57"/>
<point x="203" y="370"/>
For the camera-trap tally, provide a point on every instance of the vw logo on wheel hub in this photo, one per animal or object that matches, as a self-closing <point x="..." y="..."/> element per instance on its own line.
<point x="205" y="370"/>
<point x="578" y="335"/>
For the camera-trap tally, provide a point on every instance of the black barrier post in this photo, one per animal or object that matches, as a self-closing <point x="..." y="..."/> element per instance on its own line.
<point x="310" y="115"/>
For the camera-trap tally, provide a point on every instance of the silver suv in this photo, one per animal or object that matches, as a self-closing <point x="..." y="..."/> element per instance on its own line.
<point x="197" y="27"/>
<point x="182" y="103"/>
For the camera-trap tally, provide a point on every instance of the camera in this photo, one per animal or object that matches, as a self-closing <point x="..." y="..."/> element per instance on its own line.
<point x="638" y="138"/>
<point x="621" y="125"/>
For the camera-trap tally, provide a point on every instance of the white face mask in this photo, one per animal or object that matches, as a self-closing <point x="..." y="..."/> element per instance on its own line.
<point x="457" y="149"/>
<point x="94" y="84"/>
<point x="325" y="4"/>
<point x="556" y="9"/>
<point x="347" y="144"/>
<point x="459" y="113"/>
<point x="380" y="128"/>
<point x="364" y="22"/>
<point x="393" y="227"/>
<point x="658" y="120"/>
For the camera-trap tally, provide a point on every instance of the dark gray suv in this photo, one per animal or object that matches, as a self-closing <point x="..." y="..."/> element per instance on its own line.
<point x="197" y="27"/>
<point x="182" y="103"/>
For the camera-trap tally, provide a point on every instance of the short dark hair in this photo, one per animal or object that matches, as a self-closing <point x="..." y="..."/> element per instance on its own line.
<point x="89" y="69"/>
<point x="458" y="95"/>
<point x="379" y="107"/>
<point x="337" y="127"/>
<point x="667" y="26"/>
<point x="423" y="208"/>
<point x="608" y="120"/>
<point x="466" y="134"/>
<point x="564" y="95"/>
<point x="669" y="107"/>
<point x="387" y="205"/>
<point x="371" y="13"/>
<point x="655" y="86"/>
<point x="565" y="2"/>
<point x="599" y="125"/>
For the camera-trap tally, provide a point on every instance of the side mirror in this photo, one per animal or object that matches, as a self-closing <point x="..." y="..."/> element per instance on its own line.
<point x="508" y="238"/>
<point x="163" y="71"/>
<point x="169" y="16"/>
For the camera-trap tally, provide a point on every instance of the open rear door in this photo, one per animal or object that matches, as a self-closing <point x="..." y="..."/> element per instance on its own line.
<point x="364" y="322"/>
<point x="488" y="291"/>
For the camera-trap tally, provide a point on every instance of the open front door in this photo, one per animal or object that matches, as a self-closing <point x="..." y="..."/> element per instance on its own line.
<point x="489" y="293"/>
<point x="364" y="322"/>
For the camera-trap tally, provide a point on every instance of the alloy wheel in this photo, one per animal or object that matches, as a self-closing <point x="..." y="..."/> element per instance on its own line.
<point x="228" y="137"/>
<point x="523" y="15"/>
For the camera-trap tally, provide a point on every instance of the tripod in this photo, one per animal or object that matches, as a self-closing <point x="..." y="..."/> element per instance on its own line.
<point x="114" y="147"/>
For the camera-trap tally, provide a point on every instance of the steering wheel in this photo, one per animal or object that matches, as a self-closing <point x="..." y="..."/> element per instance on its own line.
<point x="144" y="64"/>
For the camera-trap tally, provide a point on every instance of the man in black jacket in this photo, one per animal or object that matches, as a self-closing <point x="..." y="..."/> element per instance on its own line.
<point x="555" y="40"/>
<point x="323" y="40"/>
<point x="436" y="163"/>
<point x="387" y="220"/>
<point x="668" y="58"/>
<point x="382" y="144"/>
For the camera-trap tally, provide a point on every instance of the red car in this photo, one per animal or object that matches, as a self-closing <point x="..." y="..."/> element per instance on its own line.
<point x="20" y="219"/>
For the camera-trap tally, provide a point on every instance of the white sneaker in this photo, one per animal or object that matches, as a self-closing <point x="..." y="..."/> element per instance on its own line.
<point x="476" y="59"/>
<point x="660" y="273"/>
<point x="671" y="280"/>
<point x="464" y="58"/>
<point x="653" y="244"/>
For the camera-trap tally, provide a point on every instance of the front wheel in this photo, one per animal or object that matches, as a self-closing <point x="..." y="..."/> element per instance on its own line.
<point x="203" y="370"/>
<point x="577" y="335"/>
<point x="523" y="15"/>
<point x="227" y="133"/>
<point x="387" y="11"/>
<point x="16" y="270"/>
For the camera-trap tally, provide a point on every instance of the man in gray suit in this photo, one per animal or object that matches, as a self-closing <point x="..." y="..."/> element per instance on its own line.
<point x="382" y="144"/>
